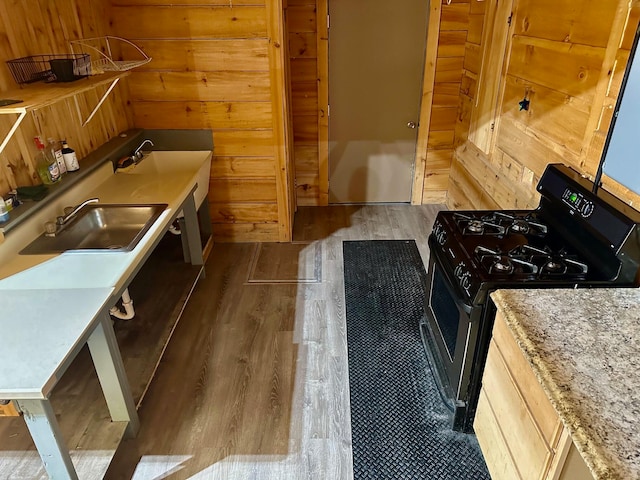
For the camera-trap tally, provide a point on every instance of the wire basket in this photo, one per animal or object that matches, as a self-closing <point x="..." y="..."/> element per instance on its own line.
<point x="38" y="67"/>
<point x="111" y="54"/>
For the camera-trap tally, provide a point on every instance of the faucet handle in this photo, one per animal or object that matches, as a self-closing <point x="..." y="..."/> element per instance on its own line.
<point x="50" y="228"/>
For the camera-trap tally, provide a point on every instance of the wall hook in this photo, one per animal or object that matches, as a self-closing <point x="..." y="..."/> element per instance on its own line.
<point x="524" y="104"/>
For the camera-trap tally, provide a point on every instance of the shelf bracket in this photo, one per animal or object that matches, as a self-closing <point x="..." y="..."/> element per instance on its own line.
<point x="100" y="102"/>
<point x="12" y="130"/>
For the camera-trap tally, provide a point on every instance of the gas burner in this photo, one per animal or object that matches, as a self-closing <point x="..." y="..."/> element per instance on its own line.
<point x="502" y="265"/>
<point x="554" y="267"/>
<point x="475" y="226"/>
<point x="497" y="263"/>
<point x="470" y="225"/>
<point x="556" y="264"/>
<point x="569" y="268"/>
<point x="519" y="226"/>
<point x="522" y="224"/>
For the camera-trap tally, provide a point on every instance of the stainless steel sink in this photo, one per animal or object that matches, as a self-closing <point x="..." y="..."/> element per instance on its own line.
<point x="112" y="227"/>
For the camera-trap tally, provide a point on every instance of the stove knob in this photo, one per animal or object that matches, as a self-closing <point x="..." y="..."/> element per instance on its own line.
<point x="465" y="281"/>
<point x="587" y="209"/>
<point x="459" y="270"/>
<point x="441" y="235"/>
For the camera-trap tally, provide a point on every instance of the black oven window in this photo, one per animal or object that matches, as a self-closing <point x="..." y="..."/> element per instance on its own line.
<point x="445" y="311"/>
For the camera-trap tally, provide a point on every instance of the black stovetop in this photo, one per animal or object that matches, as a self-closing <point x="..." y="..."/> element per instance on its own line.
<point x="518" y="245"/>
<point x="484" y="250"/>
<point x="576" y="237"/>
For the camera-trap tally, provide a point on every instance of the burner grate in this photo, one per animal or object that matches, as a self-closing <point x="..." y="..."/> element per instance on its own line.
<point x="469" y="225"/>
<point x="497" y="263"/>
<point x="552" y="264"/>
<point x="499" y="224"/>
<point x="528" y="261"/>
<point x="526" y="224"/>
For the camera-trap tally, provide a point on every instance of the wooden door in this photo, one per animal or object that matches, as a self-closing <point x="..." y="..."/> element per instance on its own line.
<point x="376" y="59"/>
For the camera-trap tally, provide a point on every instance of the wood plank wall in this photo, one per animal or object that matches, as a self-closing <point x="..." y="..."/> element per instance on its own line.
<point x="33" y="27"/>
<point x="211" y="69"/>
<point x="564" y="57"/>
<point x="454" y="29"/>
<point x="303" y="51"/>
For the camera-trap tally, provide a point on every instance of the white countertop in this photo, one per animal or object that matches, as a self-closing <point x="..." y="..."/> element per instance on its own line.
<point x="49" y="301"/>
<point x="53" y="329"/>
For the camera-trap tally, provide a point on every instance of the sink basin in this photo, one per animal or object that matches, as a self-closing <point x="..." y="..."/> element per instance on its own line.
<point x="176" y="162"/>
<point x="103" y="227"/>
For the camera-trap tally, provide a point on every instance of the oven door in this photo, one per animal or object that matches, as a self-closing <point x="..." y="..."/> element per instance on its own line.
<point x="450" y="332"/>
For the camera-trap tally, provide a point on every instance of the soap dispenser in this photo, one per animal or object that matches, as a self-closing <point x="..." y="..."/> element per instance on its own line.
<point x="70" y="159"/>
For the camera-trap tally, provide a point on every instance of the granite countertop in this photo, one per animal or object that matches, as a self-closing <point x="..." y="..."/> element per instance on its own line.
<point x="584" y="347"/>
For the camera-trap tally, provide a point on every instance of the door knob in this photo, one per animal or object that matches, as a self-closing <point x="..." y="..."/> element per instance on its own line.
<point x="411" y="125"/>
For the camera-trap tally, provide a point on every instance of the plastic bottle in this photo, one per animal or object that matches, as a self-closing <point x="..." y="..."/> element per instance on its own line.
<point x="55" y="146"/>
<point x="70" y="159"/>
<point x="46" y="164"/>
<point x="4" y="214"/>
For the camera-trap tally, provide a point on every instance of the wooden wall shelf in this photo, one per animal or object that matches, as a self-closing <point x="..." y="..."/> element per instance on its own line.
<point x="39" y="95"/>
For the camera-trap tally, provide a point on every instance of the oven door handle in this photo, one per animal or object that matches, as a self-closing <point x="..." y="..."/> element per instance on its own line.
<point x="451" y="284"/>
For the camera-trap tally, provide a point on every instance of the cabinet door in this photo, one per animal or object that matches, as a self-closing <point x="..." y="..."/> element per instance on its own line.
<point x="516" y="425"/>
<point x="492" y="443"/>
<point x="541" y="411"/>
<point x="527" y="448"/>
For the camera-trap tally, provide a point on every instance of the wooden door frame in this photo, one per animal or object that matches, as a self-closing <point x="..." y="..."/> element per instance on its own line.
<point x="281" y="108"/>
<point x="431" y="52"/>
<point x="322" y="41"/>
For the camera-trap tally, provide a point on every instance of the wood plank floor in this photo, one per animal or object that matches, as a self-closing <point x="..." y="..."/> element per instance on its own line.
<point x="254" y="383"/>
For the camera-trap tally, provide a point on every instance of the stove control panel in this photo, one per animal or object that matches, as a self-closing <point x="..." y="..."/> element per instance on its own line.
<point x="578" y="203"/>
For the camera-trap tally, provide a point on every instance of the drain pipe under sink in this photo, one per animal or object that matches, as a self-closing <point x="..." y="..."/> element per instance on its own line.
<point x="127" y="303"/>
<point x="174" y="228"/>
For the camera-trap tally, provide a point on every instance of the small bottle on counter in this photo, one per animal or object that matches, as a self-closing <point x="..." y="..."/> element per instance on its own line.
<point x="4" y="214"/>
<point x="46" y="164"/>
<point x="55" y="146"/>
<point x="70" y="159"/>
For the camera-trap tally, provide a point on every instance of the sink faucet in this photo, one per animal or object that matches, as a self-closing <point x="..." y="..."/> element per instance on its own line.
<point x="138" y="154"/>
<point x="51" y="229"/>
<point x="61" y="221"/>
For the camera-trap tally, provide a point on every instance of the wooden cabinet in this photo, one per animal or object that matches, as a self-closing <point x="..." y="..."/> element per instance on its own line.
<point x="520" y="433"/>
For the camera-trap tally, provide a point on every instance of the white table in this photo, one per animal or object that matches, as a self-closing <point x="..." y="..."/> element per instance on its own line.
<point x="34" y="356"/>
<point x="51" y="305"/>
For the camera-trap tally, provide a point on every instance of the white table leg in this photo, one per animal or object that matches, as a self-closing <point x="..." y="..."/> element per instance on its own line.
<point x="45" y="432"/>
<point x="191" y="243"/>
<point x="113" y="378"/>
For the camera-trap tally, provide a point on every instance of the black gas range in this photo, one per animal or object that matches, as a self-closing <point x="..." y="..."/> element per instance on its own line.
<point x="576" y="238"/>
